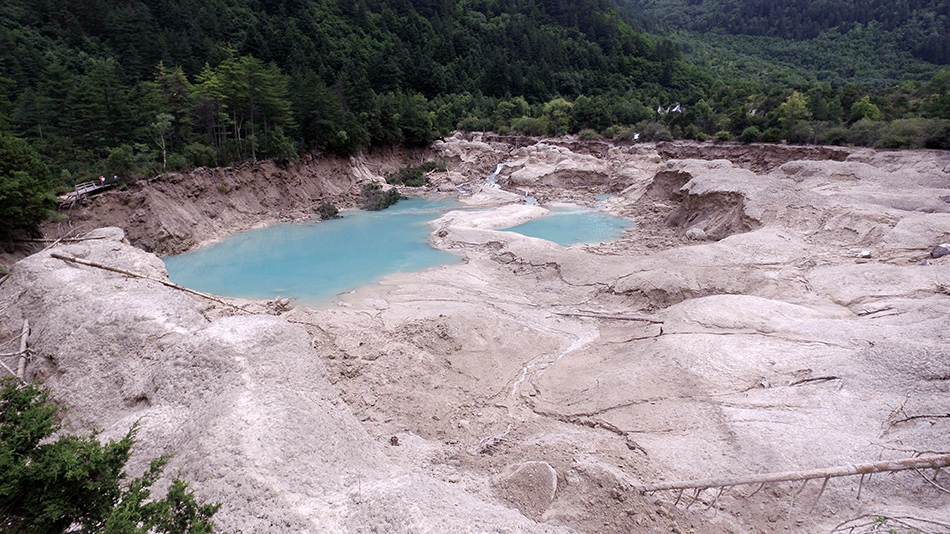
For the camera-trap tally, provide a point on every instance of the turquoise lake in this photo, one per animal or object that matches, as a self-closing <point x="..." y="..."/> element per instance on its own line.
<point x="313" y="262"/>
<point x="571" y="225"/>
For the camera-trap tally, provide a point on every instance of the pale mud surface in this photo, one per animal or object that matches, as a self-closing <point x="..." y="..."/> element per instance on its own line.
<point x="775" y="309"/>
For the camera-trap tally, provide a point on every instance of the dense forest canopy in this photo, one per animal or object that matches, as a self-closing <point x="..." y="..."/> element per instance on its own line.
<point x="134" y="88"/>
<point x="875" y="41"/>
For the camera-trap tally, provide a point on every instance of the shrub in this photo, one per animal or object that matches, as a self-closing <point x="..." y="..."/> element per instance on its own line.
<point x="750" y="135"/>
<point x="692" y="132"/>
<point x="375" y="199"/>
<point x="121" y="162"/>
<point x="939" y="135"/>
<point x="772" y="135"/>
<point x="723" y="135"/>
<point x="615" y="131"/>
<point x="865" y="133"/>
<point x="200" y="155"/>
<point x="588" y="134"/>
<point x="415" y="176"/>
<point x="653" y="131"/>
<point x="327" y="211"/>
<point x="913" y="133"/>
<point x="800" y="133"/>
<point x="834" y="135"/>
<point x="74" y="484"/>
<point x="529" y="126"/>
<point x="473" y="124"/>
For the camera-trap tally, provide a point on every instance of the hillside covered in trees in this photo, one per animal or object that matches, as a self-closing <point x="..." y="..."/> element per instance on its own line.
<point x="138" y="88"/>
<point x="875" y="42"/>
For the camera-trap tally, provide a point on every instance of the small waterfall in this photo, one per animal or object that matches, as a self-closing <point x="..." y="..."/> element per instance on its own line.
<point x="492" y="179"/>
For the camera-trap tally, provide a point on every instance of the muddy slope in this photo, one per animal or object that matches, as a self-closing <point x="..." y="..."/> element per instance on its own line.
<point x="183" y="210"/>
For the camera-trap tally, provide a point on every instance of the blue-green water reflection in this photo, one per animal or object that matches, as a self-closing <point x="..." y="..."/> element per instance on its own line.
<point x="315" y="261"/>
<point x="571" y="225"/>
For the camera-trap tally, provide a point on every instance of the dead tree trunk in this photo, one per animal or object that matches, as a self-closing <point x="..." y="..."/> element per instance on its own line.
<point x="930" y="462"/>
<point x="24" y="338"/>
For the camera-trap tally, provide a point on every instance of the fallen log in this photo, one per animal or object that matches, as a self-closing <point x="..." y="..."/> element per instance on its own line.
<point x="24" y="338"/>
<point x="928" y="462"/>
<point x="62" y="239"/>
<point x="143" y="277"/>
<point x="614" y="316"/>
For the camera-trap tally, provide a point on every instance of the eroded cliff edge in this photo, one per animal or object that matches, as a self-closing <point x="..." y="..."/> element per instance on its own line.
<point x="761" y="317"/>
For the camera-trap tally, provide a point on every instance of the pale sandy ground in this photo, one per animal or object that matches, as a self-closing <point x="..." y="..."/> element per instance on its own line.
<point x="803" y="324"/>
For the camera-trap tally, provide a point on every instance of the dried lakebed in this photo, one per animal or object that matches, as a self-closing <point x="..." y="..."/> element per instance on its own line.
<point x="774" y="309"/>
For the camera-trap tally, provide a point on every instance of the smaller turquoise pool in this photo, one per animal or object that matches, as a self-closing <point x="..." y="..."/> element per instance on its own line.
<point x="571" y="225"/>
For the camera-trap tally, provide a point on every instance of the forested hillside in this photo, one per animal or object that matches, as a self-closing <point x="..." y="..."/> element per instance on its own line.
<point x="869" y="41"/>
<point x="210" y="81"/>
<point x="136" y="88"/>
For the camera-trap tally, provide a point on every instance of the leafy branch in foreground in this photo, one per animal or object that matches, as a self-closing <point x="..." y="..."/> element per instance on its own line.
<point x="74" y="484"/>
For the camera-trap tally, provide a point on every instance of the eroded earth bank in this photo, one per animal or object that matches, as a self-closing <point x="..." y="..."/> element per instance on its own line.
<point x="775" y="309"/>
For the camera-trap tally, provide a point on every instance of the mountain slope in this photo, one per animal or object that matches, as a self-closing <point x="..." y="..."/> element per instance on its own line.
<point x="866" y="41"/>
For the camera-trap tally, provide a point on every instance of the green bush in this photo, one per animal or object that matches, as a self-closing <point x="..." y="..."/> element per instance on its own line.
<point x="415" y="176"/>
<point x="653" y="131"/>
<point x="693" y="132"/>
<point x="200" y="155"/>
<point x="327" y="211"/>
<point x="914" y="133"/>
<point x="588" y="134"/>
<point x="529" y="126"/>
<point x="723" y="135"/>
<point x="375" y="199"/>
<point x="473" y="124"/>
<point x="800" y="133"/>
<point x="865" y="132"/>
<point x="833" y="135"/>
<point x="121" y="162"/>
<point x="939" y="135"/>
<point x="614" y="131"/>
<point x="75" y="483"/>
<point x="772" y="135"/>
<point x="750" y="135"/>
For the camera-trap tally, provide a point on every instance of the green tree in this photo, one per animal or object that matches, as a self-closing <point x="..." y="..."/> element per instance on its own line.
<point x="25" y="197"/>
<point x="865" y="109"/>
<point x="793" y="110"/>
<point x="414" y="119"/>
<point x="558" y="113"/>
<point x="74" y="484"/>
<point x="938" y="101"/>
<point x="243" y="98"/>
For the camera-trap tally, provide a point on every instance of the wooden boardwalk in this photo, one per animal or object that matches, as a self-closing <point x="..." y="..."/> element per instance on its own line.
<point x="83" y="189"/>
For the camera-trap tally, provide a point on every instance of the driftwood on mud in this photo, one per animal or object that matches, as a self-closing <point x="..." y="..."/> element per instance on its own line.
<point x="929" y="462"/>
<point x="615" y="316"/>
<point x="143" y="277"/>
<point x="60" y="240"/>
<point x="24" y="340"/>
